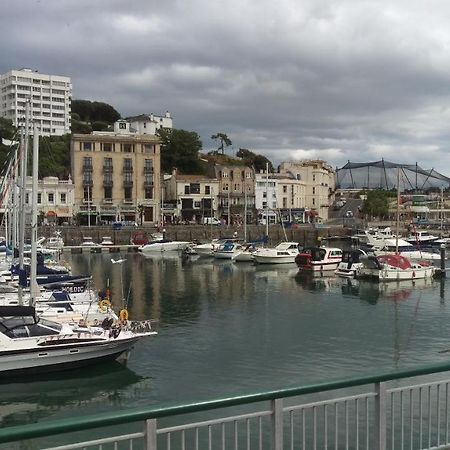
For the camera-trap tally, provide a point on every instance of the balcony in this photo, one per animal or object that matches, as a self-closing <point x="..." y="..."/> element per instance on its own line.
<point x="107" y="169"/>
<point x="127" y="183"/>
<point x="148" y="170"/>
<point x="127" y="169"/>
<point x="107" y="183"/>
<point x="87" y="167"/>
<point x="88" y="183"/>
<point x="148" y="183"/>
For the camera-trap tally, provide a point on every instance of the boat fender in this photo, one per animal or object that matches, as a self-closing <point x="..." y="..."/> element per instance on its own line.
<point x="123" y="315"/>
<point x="414" y="274"/>
<point x="104" y="305"/>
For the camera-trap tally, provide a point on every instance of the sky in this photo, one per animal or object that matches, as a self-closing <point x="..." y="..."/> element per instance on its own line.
<point x="339" y="80"/>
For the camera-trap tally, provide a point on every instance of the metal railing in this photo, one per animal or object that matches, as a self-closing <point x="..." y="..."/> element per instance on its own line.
<point x="377" y="416"/>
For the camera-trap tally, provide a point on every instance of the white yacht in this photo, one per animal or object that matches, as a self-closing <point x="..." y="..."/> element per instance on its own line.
<point x="389" y="246"/>
<point x="228" y="250"/>
<point x="421" y="238"/>
<point x="30" y="344"/>
<point x="283" y="253"/>
<point x="319" y="259"/>
<point x="163" y="245"/>
<point x="350" y="263"/>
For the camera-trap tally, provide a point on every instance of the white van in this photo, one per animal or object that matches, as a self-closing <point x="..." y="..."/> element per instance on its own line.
<point x="211" y="221"/>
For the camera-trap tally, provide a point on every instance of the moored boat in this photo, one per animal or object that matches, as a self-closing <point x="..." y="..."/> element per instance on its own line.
<point x="319" y="259"/>
<point x="350" y="263"/>
<point x="393" y="268"/>
<point x="283" y="253"/>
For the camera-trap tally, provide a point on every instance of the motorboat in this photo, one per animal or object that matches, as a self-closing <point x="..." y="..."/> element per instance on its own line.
<point x="319" y="259"/>
<point x="163" y="245"/>
<point x="246" y="254"/>
<point x="350" y="263"/>
<point x="283" y="253"/>
<point x="89" y="242"/>
<point x="106" y="241"/>
<point x="404" y="248"/>
<point x="55" y="241"/>
<point x="421" y="238"/>
<point x="30" y="344"/>
<point x="209" y="248"/>
<point x="393" y="268"/>
<point x="227" y="250"/>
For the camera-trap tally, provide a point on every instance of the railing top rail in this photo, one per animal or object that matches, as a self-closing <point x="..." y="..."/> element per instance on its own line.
<point x="69" y="425"/>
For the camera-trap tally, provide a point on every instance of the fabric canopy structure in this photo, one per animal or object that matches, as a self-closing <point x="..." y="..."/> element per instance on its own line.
<point x="383" y="175"/>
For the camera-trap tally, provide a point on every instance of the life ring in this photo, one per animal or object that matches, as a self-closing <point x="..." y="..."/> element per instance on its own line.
<point x="104" y="305"/>
<point x="123" y="315"/>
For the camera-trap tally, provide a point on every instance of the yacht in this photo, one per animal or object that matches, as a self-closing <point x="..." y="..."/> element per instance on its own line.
<point x="163" y="245"/>
<point x="283" y="253"/>
<point x="228" y="250"/>
<point x="319" y="259"/>
<point x="390" y="246"/>
<point x="30" y="344"/>
<point x="350" y="263"/>
<point x="421" y="238"/>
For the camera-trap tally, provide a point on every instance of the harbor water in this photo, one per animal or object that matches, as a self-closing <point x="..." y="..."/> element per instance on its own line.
<point x="227" y="329"/>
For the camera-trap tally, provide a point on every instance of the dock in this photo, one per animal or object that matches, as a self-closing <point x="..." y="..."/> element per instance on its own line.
<point x="99" y="248"/>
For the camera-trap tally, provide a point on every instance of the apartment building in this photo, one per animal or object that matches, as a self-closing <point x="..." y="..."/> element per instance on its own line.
<point x="194" y="196"/>
<point x="150" y="123"/>
<point x="236" y="189"/>
<point x="319" y="180"/>
<point x="280" y="197"/>
<point x="116" y="175"/>
<point x="50" y="99"/>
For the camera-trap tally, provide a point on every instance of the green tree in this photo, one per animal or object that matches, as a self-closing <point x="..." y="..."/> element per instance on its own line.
<point x="259" y="162"/>
<point x="180" y="148"/>
<point x="54" y="156"/>
<point x="7" y="131"/>
<point x="88" y="111"/>
<point x="377" y="203"/>
<point x="225" y="141"/>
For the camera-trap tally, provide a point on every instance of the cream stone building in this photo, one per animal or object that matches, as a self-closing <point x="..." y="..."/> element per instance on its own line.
<point x="194" y="196"/>
<point x="116" y="176"/>
<point x="319" y="180"/>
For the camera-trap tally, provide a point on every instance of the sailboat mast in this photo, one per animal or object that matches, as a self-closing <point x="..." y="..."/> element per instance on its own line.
<point x="245" y="213"/>
<point x="23" y="188"/>
<point x="267" y="199"/>
<point x="397" y="225"/>
<point x="34" y="213"/>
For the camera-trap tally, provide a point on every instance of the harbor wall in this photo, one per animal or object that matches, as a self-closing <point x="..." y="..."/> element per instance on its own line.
<point x="305" y="235"/>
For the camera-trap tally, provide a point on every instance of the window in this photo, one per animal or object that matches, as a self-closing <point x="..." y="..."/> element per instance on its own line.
<point x="195" y="188"/>
<point x="148" y="193"/>
<point x="149" y="148"/>
<point x="225" y="187"/>
<point x="314" y="190"/>
<point x="148" y="166"/>
<point x="39" y="197"/>
<point x="51" y="197"/>
<point x="107" y="192"/>
<point x="265" y="194"/>
<point x="128" y="164"/>
<point x="27" y="199"/>
<point x="284" y="189"/>
<point x="87" y="194"/>
<point x="87" y="163"/>
<point x="127" y="148"/>
<point x="122" y="126"/>
<point x="62" y="197"/>
<point x="107" y="164"/>
<point x="314" y="178"/>
<point x="127" y="194"/>
<point x="207" y="190"/>
<point x="314" y="201"/>
<point x="86" y="146"/>
<point x="284" y="202"/>
<point x="225" y="174"/>
<point x="187" y="189"/>
<point x="107" y="147"/>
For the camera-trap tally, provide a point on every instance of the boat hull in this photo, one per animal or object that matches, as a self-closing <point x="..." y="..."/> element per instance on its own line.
<point x="319" y="266"/>
<point x="396" y="275"/>
<point x="158" y="247"/>
<point x="48" y="359"/>
<point x="263" y="259"/>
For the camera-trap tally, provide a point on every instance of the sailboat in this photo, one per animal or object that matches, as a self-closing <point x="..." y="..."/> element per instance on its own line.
<point x="394" y="267"/>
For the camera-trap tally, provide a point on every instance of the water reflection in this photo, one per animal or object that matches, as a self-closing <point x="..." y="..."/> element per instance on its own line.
<point x="104" y="385"/>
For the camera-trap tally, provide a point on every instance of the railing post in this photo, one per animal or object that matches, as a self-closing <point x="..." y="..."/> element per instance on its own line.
<point x="380" y="416"/>
<point x="277" y="424"/>
<point x="150" y="434"/>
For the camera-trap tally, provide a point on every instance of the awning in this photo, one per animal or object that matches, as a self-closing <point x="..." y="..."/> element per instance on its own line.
<point x="51" y="214"/>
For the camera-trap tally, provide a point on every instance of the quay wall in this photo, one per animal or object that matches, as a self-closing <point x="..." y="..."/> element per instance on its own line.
<point x="305" y="235"/>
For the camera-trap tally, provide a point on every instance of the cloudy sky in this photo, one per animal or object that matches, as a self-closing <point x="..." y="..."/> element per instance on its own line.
<point x="341" y="80"/>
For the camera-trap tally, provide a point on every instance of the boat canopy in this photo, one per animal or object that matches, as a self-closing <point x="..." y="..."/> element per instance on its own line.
<point x="317" y="253"/>
<point x="395" y="261"/>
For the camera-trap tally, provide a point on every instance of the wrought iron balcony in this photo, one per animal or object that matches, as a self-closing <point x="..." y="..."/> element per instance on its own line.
<point x="87" y="182"/>
<point x="148" y="183"/>
<point x="107" y="183"/>
<point x="127" y="169"/>
<point x="87" y="167"/>
<point x="107" y="169"/>
<point x="127" y="183"/>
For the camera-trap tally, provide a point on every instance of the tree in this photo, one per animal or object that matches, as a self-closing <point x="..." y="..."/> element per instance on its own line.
<point x="376" y="203"/>
<point x="259" y="162"/>
<point x="7" y="131"/>
<point x="225" y="141"/>
<point x="88" y="111"/>
<point x="180" y="148"/>
<point x="54" y="156"/>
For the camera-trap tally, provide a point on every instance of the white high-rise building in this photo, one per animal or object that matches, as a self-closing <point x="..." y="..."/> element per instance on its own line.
<point x="50" y="98"/>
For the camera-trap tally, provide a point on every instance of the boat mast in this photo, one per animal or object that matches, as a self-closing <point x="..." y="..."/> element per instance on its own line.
<point x="23" y="186"/>
<point x="267" y="200"/>
<point x="34" y="290"/>
<point x="245" y="213"/>
<point x="397" y="225"/>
